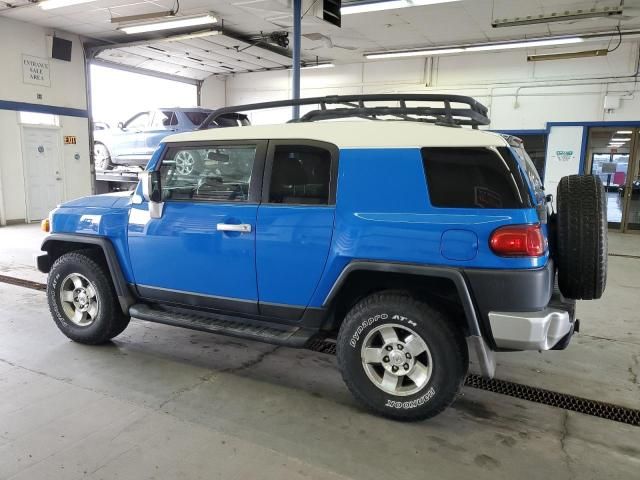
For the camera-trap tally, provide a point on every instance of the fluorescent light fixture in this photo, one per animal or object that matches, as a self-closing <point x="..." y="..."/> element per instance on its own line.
<point x="567" y="55"/>
<point x="415" y="53"/>
<point x="624" y="132"/>
<point x="620" y="140"/>
<point x="51" y="4"/>
<point x="187" y="36"/>
<point x="533" y="43"/>
<point x="477" y="48"/>
<point x="143" y="16"/>
<point x="558" y="17"/>
<point x="317" y="65"/>
<point x="178" y="22"/>
<point x="365" y="7"/>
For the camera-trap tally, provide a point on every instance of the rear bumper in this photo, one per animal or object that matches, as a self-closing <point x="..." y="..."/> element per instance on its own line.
<point x="546" y="329"/>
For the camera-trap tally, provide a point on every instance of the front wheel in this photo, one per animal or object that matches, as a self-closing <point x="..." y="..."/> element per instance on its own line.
<point x="82" y="299"/>
<point x="101" y="156"/>
<point x="400" y="357"/>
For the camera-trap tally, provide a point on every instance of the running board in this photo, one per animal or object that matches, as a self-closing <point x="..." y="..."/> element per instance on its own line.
<point x="289" y="336"/>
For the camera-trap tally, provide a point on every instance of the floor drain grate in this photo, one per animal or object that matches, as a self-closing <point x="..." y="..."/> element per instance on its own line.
<point x="533" y="394"/>
<point x="23" y="283"/>
<point x="556" y="399"/>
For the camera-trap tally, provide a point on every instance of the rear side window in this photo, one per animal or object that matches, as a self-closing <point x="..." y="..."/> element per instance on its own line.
<point x="196" y="117"/>
<point x="472" y="178"/>
<point x="300" y="175"/>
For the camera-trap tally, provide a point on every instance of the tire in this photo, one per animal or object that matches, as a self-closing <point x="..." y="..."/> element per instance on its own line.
<point x="101" y="317"/>
<point x="581" y="237"/>
<point x="446" y="356"/>
<point x="101" y="156"/>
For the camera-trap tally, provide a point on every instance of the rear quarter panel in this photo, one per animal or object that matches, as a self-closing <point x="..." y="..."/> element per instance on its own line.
<point x="383" y="213"/>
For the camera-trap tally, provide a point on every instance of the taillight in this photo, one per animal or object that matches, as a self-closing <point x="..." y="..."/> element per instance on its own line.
<point x="518" y="241"/>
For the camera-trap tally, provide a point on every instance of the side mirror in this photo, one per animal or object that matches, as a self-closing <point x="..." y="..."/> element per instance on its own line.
<point x="121" y="125"/>
<point x="152" y="192"/>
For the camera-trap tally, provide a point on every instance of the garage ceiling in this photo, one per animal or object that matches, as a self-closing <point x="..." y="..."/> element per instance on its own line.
<point x="467" y="21"/>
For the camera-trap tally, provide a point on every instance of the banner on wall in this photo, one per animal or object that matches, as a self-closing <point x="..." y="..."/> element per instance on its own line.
<point x="36" y="71"/>
<point x="564" y="151"/>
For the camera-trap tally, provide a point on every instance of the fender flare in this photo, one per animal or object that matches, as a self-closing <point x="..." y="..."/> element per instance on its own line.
<point x="475" y="340"/>
<point x="125" y="297"/>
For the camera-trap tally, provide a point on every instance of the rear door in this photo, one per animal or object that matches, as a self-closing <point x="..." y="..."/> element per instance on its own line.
<point x="201" y="252"/>
<point x="128" y="141"/>
<point x="294" y="224"/>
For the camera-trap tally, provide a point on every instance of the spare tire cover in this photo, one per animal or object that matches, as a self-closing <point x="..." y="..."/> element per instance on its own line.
<point x="581" y="237"/>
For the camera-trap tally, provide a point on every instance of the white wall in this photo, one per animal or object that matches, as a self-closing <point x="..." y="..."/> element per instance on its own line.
<point x="520" y="95"/>
<point x="67" y="90"/>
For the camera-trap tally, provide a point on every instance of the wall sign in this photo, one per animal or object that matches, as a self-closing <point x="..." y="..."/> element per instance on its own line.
<point x="69" y="139"/>
<point x="35" y="70"/>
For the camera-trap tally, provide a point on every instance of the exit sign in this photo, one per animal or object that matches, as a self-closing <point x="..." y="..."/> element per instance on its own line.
<point x="70" y="140"/>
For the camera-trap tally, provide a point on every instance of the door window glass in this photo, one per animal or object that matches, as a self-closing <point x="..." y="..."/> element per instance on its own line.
<point x="164" y="119"/>
<point x="210" y="173"/>
<point x="35" y="118"/>
<point x="139" y="121"/>
<point x="300" y="175"/>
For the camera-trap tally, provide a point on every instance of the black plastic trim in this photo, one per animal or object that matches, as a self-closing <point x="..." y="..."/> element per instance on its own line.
<point x="453" y="274"/>
<point x="512" y="290"/>
<point x="125" y="297"/>
<point x="198" y="300"/>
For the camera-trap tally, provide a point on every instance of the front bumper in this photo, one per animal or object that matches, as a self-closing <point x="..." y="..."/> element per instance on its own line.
<point x="43" y="262"/>
<point x="546" y="329"/>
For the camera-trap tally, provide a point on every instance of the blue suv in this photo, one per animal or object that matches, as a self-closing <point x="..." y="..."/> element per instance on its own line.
<point x="411" y="242"/>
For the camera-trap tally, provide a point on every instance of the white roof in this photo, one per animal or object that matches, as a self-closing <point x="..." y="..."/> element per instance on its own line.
<point x="358" y="134"/>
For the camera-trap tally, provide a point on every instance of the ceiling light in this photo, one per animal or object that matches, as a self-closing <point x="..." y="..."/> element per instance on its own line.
<point x="547" y="42"/>
<point x="143" y="16"/>
<point x="567" y="55"/>
<point x="530" y="44"/>
<point x="620" y="140"/>
<point x="364" y="7"/>
<point x="624" y="132"/>
<point x="317" y="65"/>
<point x="558" y="17"/>
<point x="179" y="22"/>
<point x="415" y="53"/>
<point x="187" y="36"/>
<point x="51" y="4"/>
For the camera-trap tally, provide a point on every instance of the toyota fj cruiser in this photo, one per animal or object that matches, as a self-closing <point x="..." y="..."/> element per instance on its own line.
<point x="412" y="242"/>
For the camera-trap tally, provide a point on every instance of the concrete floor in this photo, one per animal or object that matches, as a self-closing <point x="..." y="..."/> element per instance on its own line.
<point x="162" y="402"/>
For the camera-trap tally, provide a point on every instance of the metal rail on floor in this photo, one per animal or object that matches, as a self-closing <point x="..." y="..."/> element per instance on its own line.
<point x="608" y="411"/>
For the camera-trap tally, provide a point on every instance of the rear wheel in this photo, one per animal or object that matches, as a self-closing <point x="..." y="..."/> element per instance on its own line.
<point x="400" y="357"/>
<point x="82" y="299"/>
<point x="101" y="156"/>
<point x="581" y="237"/>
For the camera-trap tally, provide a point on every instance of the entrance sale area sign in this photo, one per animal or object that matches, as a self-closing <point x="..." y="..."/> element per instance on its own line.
<point x="35" y="70"/>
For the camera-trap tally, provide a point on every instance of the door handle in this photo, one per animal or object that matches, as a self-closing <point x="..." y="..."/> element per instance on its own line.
<point x="229" y="227"/>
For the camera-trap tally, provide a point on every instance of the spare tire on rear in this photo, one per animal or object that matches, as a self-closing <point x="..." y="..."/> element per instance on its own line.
<point x="581" y="237"/>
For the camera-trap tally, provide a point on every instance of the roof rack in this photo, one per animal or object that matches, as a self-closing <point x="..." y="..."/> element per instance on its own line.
<point x="439" y="112"/>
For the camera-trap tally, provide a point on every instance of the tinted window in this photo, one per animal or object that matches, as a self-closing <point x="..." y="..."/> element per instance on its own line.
<point x="208" y="173"/>
<point x="300" y="175"/>
<point x="471" y="178"/>
<point x="196" y="117"/>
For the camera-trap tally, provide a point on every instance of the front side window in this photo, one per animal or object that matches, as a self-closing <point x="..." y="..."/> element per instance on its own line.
<point x="164" y="118"/>
<point x="208" y="173"/>
<point x="472" y="178"/>
<point x="139" y="121"/>
<point x="300" y="175"/>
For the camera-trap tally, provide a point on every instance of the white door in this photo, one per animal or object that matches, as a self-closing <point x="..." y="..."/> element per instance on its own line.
<point x="43" y="179"/>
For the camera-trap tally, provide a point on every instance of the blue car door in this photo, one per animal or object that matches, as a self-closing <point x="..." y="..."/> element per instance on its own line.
<point x="295" y="225"/>
<point x="128" y="140"/>
<point x="201" y="252"/>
